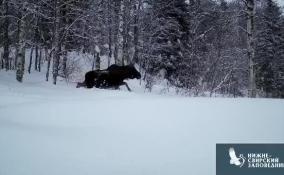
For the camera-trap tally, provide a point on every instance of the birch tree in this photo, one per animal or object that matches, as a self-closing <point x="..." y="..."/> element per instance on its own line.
<point x="109" y="25"/>
<point x="56" y="41"/>
<point x="6" y="41"/>
<point x="250" y="10"/>
<point x="117" y="24"/>
<point x="136" y="32"/>
<point x="126" y="30"/>
<point x="20" y="69"/>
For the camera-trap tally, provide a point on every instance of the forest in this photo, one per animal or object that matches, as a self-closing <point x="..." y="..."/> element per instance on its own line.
<point x="204" y="47"/>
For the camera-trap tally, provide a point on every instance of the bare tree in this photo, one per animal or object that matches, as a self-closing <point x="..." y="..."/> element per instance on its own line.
<point x="136" y="33"/>
<point x="56" y="42"/>
<point x="31" y="60"/>
<point x="125" y="35"/>
<point x="250" y="5"/>
<point x="117" y="11"/>
<point x="109" y="25"/>
<point x="20" y="69"/>
<point x="6" y="41"/>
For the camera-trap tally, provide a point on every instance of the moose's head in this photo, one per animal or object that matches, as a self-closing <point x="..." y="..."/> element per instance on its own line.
<point x="133" y="73"/>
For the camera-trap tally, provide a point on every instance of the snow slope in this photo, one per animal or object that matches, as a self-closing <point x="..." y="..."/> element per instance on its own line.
<point x="61" y="130"/>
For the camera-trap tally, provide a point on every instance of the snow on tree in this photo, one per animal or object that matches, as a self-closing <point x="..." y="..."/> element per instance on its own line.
<point x="268" y="51"/>
<point x="168" y="40"/>
<point x="200" y="46"/>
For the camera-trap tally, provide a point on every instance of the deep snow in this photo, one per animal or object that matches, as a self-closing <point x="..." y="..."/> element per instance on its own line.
<point x="61" y="130"/>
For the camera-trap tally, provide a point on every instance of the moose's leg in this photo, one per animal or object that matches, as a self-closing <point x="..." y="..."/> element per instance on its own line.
<point x="89" y="84"/>
<point x="124" y="83"/>
<point x="90" y="78"/>
<point x="79" y="84"/>
<point x="100" y="83"/>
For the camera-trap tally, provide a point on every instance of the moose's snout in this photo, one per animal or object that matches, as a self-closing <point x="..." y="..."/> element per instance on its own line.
<point x="138" y="76"/>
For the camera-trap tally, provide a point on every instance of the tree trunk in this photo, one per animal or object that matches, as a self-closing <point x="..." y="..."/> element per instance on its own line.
<point x="98" y="61"/>
<point x="36" y="57"/>
<point x="56" y="53"/>
<point x="94" y="61"/>
<point x="117" y="10"/>
<point x="125" y="36"/>
<point x="6" y="41"/>
<point x="64" y="62"/>
<point x="1" y="61"/>
<point x="48" y="57"/>
<point x="36" y="39"/>
<point x="109" y="33"/>
<point x="17" y="48"/>
<point x="136" y="32"/>
<point x="21" y="51"/>
<point x="1" y="58"/>
<point x="250" y="45"/>
<point x="10" y="64"/>
<point x="31" y="60"/>
<point x="39" y="60"/>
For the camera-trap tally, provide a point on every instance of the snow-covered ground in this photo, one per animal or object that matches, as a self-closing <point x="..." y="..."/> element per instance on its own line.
<point x="61" y="130"/>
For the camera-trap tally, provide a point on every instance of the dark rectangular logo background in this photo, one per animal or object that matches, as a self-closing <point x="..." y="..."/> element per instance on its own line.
<point x="223" y="166"/>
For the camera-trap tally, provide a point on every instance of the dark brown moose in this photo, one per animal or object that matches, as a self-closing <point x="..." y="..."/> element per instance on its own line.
<point x="112" y="77"/>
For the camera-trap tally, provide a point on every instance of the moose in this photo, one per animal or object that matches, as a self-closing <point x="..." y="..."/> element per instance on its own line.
<point x="112" y="77"/>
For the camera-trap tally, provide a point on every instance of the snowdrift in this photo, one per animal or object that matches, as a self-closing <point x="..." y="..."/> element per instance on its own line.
<point x="61" y="130"/>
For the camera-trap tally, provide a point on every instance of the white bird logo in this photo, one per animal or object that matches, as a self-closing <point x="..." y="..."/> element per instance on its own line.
<point x="234" y="159"/>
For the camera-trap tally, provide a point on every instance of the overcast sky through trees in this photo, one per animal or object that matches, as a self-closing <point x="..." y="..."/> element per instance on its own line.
<point x="281" y="2"/>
